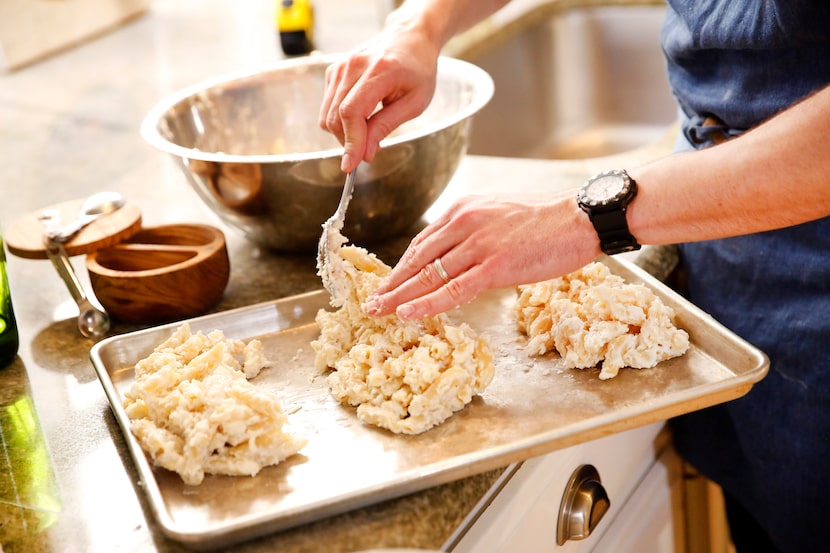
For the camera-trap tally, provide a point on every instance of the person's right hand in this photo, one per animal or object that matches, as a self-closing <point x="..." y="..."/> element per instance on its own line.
<point x="385" y="82"/>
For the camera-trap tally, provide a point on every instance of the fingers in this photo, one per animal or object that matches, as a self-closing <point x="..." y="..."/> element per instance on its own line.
<point x="431" y="243"/>
<point x="454" y="293"/>
<point x="329" y="118"/>
<point x="430" y="290"/>
<point x="438" y="271"/>
<point x="369" y="95"/>
<point x="346" y="107"/>
<point x="369" y="112"/>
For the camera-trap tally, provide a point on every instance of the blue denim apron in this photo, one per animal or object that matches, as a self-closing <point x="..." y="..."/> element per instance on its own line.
<point x="738" y="63"/>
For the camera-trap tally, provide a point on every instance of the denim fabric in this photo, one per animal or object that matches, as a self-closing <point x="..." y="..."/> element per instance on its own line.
<point x="743" y="61"/>
<point x="769" y="450"/>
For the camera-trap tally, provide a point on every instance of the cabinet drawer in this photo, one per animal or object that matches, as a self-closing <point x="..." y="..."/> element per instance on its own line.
<point x="520" y="513"/>
<point x="651" y="521"/>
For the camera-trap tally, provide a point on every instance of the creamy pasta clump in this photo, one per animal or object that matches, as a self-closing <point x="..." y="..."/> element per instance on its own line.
<point x="193" y="410"/>
<point x="593" y="317"/>
<point x="405" y="376"/>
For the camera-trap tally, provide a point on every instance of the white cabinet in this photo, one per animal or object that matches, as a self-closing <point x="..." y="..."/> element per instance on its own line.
<point x="651" y="521"/>
<point x="520" y="514"/>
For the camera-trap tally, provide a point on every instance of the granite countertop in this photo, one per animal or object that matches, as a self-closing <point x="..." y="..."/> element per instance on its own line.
<point x="69" y="128"/>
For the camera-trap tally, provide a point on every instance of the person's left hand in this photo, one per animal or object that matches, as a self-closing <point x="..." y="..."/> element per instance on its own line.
<point x="485" y="242"/>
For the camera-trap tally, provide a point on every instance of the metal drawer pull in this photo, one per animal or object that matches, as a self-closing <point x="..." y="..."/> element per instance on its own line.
<point x="584" y="503"/>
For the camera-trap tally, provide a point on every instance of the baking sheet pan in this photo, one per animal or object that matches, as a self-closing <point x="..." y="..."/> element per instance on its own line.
<point x="532" y="406"/>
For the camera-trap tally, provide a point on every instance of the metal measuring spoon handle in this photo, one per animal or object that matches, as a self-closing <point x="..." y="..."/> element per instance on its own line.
<point x="93" y="321"/>
<point x="94" y="208"/>
<point x="64" y="233"/>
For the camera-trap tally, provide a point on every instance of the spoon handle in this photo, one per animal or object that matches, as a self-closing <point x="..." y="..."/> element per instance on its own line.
<point x="57" y="255"/>
<point x="93" y="321"/>
<point x="64" y="233"/>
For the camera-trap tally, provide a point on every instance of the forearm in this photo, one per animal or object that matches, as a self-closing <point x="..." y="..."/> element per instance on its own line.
<point x="774" y="176"/>
<point x="440" y="20"/>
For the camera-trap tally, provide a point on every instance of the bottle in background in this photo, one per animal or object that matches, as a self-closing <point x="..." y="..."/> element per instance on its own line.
<point x="9" y="340"/>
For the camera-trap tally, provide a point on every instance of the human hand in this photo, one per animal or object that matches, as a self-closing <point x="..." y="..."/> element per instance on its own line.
<point x="485" y="242"/>
<point x="385" y="82"/>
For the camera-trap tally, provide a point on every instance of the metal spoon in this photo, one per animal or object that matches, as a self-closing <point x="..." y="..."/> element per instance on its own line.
<point x="95" y="206"/>
<point x="330" y="242"/>
<point x="93" y="321"/>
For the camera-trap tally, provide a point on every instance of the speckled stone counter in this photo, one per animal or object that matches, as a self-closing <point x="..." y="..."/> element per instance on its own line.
<point x="69" y="128"/>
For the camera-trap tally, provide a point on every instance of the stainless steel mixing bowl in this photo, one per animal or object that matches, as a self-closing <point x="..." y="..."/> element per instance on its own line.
<point x="251" y="147"/>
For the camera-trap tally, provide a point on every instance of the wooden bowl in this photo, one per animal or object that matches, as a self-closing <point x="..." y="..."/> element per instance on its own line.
<point x="161" y="273"/>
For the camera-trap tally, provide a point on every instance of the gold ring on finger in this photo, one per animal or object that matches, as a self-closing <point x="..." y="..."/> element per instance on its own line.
<point x="442" y="272"/>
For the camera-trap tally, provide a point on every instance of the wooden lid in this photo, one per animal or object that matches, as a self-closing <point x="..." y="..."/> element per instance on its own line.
<point x="24" y="237"/>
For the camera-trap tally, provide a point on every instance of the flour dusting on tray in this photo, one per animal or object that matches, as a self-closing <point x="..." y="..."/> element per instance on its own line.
<point x="405" y="376"/>
<point x="592" y="316"/>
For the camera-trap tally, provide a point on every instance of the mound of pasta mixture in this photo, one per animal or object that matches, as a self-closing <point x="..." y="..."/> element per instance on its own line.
<point x="194" y="411"/>
<point x="593" y="317"/>
<point x="405" y="376"/>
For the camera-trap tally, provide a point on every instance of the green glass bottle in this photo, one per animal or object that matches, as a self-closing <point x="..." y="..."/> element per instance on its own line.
<point x="9" y="340"/>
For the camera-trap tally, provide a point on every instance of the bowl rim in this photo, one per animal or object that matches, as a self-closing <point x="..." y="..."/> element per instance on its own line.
<point x="446" y="66"/>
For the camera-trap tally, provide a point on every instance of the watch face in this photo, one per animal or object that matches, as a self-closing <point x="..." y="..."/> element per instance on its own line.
<point x="605" y="187"/>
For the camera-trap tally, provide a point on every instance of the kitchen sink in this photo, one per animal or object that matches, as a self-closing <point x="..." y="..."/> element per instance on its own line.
<point x="574" y="79"/>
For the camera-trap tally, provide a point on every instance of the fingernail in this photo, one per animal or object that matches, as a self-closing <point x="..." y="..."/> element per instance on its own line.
<point x="346" y="162"/>
<point x="405" y="311"/>
<point x="372" y="305"/>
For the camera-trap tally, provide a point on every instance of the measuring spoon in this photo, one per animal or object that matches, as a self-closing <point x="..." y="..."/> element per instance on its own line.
<point x="93" y="321"/>
<point x="95" y="206"/>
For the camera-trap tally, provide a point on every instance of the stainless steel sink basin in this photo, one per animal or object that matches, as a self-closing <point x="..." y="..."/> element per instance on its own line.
<point x="573" y="80"/>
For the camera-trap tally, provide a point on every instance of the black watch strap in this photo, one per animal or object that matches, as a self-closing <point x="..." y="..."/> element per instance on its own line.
<point x="612" y="228"/>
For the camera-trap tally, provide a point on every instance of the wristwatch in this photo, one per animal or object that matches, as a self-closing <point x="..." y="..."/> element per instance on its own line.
<point x="605" y="198"/>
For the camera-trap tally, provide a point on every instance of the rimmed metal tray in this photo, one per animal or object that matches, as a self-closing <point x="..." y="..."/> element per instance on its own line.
<point x="533" y="406"/>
